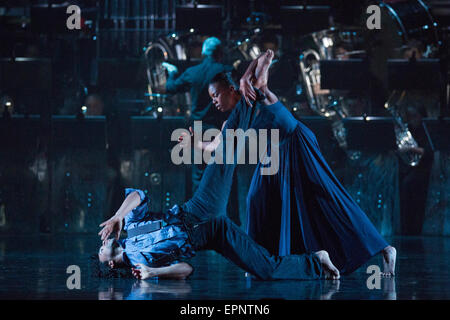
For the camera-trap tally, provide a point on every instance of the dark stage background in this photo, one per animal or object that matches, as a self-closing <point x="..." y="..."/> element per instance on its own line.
<point x="82" y="119"/>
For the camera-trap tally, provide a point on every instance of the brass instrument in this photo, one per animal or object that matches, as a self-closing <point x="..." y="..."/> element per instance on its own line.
<point x="156" y="53"/>
<point x="244" y="49"/>
<point x="404" y="138"/>
<point x="170" y="48"/>
<point x="322" y="101"/>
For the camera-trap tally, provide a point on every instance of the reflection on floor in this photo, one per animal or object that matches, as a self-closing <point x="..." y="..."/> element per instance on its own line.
<point x="36" y="268"/>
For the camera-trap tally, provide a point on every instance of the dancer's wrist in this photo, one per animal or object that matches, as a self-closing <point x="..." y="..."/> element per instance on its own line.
<point x="118" y="216"/>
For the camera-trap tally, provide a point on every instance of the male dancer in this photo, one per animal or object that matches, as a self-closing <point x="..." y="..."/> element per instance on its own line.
<point x="158" y="245"/>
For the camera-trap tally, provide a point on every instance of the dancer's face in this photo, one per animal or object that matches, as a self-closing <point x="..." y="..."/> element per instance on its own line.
<point x="223" y="97"/>
<point x="107" y="250"/>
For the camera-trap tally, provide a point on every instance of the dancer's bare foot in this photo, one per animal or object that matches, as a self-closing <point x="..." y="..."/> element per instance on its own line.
<point x="330" y="271"/>
<point x="143" y="272"/>
<point x="262" y="69"/>
<point x="389" y="257"/>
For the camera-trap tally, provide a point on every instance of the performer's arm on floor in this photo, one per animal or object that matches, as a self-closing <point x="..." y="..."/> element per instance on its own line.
<point x="179" y="271"/>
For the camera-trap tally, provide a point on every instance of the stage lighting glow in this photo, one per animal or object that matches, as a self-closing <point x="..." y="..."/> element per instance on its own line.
<point x="160" y="109"/>
<point x="8" y="103"/>
<point x="191" y="30"/>
<point x="327" y="42"/>
<point x="255" y="52"/>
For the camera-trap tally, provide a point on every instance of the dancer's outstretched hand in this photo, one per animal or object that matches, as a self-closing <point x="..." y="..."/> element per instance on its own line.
<point x="247" y="91"/>
<point x="111" y="226"/>
<point x="185" y="139"/>
<point x="171" y="69"/>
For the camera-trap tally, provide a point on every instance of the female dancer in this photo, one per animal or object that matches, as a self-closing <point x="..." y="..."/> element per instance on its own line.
<point x="303" y="207"/>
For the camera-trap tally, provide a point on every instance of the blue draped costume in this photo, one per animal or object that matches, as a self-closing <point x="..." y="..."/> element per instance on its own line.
<point x="303" y="207"/>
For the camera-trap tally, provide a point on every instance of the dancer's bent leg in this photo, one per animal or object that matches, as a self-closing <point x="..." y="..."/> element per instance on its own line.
<point x="222" y="235"/>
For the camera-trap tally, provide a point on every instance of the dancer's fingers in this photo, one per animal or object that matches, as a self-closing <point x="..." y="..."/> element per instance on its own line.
<point x="252" y="92"/>
<point x="248" y="101"/>
<point x="105" y="235"/>
<point x="137" y="274"/>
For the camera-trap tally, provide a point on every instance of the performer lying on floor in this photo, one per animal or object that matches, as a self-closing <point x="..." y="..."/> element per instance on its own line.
<point x="159" y="244"/>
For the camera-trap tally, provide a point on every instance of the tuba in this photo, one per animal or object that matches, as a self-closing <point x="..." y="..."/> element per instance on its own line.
<point x="155" y="54"/>
<point x="322" y="101"/>
<point x="165" y="49"/>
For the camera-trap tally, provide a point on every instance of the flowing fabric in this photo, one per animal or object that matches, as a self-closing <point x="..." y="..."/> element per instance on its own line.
<point x="303" y="207"/>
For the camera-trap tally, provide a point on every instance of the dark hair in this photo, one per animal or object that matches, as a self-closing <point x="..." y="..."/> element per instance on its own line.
<point x="102" y="270"/>
<point x="224" y="79"/>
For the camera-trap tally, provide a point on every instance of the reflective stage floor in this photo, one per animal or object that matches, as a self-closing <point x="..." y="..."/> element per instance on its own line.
<point x="36" y="268"/>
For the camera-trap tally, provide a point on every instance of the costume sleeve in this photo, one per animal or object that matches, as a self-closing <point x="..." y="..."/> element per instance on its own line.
<point x="180" y="84"/>
<point x="212" y="194"/>
<point x="139" y="213"/>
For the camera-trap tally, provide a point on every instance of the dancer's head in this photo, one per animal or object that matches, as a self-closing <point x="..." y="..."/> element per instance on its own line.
<point x="110" y="251"/>
<point x="108" y="262"/>
<point x="224" y="92"/>
<point x="212" y="47"/>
